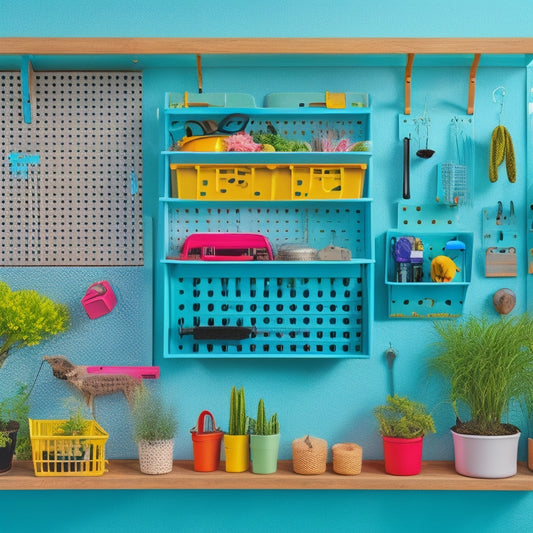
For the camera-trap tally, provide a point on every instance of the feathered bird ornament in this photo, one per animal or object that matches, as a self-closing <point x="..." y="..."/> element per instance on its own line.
<point x="443" y="269"/>
<point x="92" y="385"/>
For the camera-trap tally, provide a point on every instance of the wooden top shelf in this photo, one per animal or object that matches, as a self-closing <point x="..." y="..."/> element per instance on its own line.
<point x="125" y="474"/>
<point x="262" y="45"/>
<point x="71" y="53"/>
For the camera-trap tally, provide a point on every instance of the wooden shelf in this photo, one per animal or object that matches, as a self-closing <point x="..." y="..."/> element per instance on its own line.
<point x="125" y="474"/>
<point x="262" y="45"/>
<point x="95" y="53"/>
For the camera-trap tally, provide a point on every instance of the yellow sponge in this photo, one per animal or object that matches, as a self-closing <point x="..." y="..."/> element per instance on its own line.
<point x="443" y="269"/>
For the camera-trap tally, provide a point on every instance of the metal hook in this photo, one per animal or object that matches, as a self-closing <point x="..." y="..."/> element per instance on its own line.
<point x="502" y="94"/>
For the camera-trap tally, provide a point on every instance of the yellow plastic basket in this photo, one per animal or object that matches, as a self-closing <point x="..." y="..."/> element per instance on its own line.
<point x="272" y="182"/>
<point x="54" y="454"/>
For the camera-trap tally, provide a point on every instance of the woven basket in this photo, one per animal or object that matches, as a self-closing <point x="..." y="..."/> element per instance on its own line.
<point x="347" y="458"/>
<point x="309" y="455"/>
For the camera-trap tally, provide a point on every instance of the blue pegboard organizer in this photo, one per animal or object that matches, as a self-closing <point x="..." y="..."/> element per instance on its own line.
<point x="315" y="309"/>
<point x="435" y="226"/>
<point x="307" y="310"/>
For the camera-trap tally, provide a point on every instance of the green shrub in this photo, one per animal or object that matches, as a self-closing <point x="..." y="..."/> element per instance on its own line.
<point x="403" y="418"/>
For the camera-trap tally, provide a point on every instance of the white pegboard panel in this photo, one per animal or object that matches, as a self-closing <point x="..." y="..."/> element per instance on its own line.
<point x="70" y="186"/>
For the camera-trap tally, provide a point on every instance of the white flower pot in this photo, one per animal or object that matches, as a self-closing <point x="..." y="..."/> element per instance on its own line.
<point x="486" y="456"/>
<point x="156" y="457"/>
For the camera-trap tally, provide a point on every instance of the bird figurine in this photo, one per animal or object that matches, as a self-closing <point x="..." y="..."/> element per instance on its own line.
<point x="91" y="385"/>
<point x="443" y="269"/>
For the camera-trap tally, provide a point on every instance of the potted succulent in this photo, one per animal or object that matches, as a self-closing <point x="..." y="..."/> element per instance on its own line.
<point x="489" y="367"/>
<point x="237" y="439"/>
<point x="403" y="424"/>
<point x="14" y="429"/>
<point x="264" y="442"/>
<point x="27" y="318"/>
<point x="154" y="428"/>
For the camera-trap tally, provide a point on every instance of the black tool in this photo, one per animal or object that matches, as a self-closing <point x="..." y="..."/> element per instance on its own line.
<point x="406" y="157"/>
<point x="223" y="333"/>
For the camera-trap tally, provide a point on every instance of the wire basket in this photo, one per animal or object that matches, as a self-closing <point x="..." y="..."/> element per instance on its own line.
<point x="453" y="183"/>
<point x="54" y="454"/>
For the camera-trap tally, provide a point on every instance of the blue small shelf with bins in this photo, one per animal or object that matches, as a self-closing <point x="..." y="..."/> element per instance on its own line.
<point x="435" y="226"/>
<point x="311" y="309"/>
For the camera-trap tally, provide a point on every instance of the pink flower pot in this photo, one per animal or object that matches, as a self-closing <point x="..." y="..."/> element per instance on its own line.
<point x="403" y="457"/>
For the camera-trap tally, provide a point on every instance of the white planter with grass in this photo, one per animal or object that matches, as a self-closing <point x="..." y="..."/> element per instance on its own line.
<point x="484" y="456"/>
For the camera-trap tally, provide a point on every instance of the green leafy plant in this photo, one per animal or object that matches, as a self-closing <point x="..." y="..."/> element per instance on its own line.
<point x="262" y="426"/>
<point x="27" y="318"/>
<point x="279" y="143"/>
<point x="489" y="366"/>
<point x="152" y="418"/>
<point x="16" y="409"/>
<point x="238" y="421"/>
<point x="77" y="424"/>
<point x="403" y="418"/>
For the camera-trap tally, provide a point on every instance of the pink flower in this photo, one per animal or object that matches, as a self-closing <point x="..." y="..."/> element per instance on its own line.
<point x="242" y="142"/>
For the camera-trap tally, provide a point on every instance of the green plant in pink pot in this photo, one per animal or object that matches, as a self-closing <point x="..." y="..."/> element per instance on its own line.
<point x="403" y="424"/>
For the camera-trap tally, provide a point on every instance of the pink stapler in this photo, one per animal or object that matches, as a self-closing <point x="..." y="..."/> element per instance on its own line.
<point x="99" y="299"/>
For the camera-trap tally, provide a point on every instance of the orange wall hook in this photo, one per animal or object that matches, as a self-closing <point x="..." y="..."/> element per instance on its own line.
<point x="408" y="73"/>
<point x="472" y="84"/>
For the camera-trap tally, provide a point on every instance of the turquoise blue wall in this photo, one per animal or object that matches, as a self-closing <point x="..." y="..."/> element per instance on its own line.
<point x="328" y="399"/>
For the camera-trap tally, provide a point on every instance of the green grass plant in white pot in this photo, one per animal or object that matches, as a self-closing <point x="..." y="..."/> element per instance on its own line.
<point x="489" y="368"/>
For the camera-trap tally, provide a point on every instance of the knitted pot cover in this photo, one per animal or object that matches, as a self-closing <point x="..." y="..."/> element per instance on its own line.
<point x="155" y="457"/>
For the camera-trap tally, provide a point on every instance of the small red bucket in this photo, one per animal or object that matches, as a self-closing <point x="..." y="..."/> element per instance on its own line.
<point x="403" y="457"/>
<point x="206" y="444"/>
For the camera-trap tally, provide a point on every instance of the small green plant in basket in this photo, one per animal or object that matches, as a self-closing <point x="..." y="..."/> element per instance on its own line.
<point x="77" y="425"/>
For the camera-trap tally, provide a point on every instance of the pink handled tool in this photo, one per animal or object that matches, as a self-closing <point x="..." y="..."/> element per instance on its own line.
<point x="138" y="372"/>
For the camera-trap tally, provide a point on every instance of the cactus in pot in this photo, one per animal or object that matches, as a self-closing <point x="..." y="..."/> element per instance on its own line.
<point x="264" y="441"/>
<point x="238" y="421"/>
<point x="237" y="440"/>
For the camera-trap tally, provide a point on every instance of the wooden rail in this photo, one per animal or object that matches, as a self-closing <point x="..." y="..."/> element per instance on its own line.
<point x="125" y="474"/>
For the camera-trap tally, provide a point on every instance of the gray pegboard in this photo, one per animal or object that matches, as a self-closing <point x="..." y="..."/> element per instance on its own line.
<point x="70" y="186"/>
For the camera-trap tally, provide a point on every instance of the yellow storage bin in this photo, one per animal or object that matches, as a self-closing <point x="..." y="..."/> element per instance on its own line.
<point x="54" y="454"/>
<point x="267" y="182"/>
